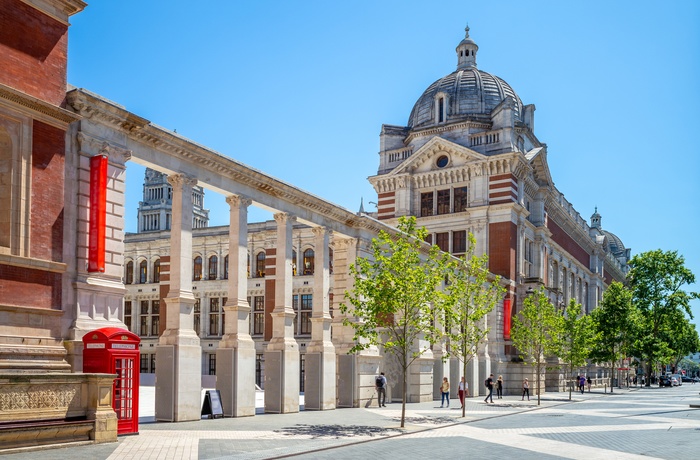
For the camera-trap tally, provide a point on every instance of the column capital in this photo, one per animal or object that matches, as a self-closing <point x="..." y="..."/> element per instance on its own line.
<point x="182" y="180"/>
<point x="239" y="200"/>
<point x="284" y="217"/>
<point x="320" y="230"/>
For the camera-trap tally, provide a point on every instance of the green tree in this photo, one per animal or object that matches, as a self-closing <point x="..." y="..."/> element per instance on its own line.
<point x="657" y="280"/>
<point x="395" y="296"/>
<point x="614" y="325"/>
<point x="469" y="295"/>
<point x="536" y="331"/>
<point x="576" y="338"/>
<point x="684" y="340"/>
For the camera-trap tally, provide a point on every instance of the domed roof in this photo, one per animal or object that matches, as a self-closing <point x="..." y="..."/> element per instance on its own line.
<point x="615" y="246"/>
<point x="469" y="91"/>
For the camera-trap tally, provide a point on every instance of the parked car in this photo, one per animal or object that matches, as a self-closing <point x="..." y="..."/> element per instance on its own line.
<point x="675" y="382"/>
<point x="685" y="378"/>
<point x="678" y="378"/>
<point x="664" y="381"/>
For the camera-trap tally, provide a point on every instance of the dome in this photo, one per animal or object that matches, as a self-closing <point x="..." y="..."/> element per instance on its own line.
<point x="468" y="92"/>
<point x="615" y="246"/>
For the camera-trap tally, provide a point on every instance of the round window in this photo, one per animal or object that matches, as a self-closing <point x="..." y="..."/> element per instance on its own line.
<point x="442" y="161"/>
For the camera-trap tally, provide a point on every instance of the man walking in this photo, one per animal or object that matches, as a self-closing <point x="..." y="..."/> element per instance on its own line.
<point x="489" y="385"/>
<point x="380" y="384"/>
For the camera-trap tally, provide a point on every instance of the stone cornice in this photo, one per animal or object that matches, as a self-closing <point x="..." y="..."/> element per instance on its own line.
<point x="46" y="112"/>
<point x="60" y="10"/>
<point x="141" y="130"/>
<point x="441" y="129"/>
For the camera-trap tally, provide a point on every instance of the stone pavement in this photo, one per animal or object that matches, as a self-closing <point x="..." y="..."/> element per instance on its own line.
<point x="631" y="423"/>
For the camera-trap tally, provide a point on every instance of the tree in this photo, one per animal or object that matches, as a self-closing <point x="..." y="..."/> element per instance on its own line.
<point x="657" y="280"/>
<point x="395" y="296"/>
<point x="576" y="338"/>
<point x="468" y="297"/>
<point x="536" y="332"/>
<point x="614" y="323"/>
<point x="684" y="340"/>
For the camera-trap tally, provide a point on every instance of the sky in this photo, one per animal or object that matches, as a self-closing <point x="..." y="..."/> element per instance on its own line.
<point x="300" y="90"/>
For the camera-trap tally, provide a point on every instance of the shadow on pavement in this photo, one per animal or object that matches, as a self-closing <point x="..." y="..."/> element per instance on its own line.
<point x="336" y="431"/>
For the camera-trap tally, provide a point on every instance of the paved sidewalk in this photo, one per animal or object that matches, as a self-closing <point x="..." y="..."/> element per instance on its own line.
<point x="357" y="433"/>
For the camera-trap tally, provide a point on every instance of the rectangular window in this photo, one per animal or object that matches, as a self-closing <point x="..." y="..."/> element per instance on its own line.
<point x="258" y="315"/>
<point x="429" y="238"/>
<point x="460" y="197"/>
<point x="295" y="307"/>
<point x="214" y="316"/>
<point x="305" y="314"/>
<point x="459" y="242"/>
<point x="144" y="364"/>
<point x="197" y="316"/>
<point x="212" y="363"/>
<point x="155" y="318"/>
<point x="153" y="363"/>
<point x="143" y="326"/>
<point x="127" y="315"/>
<point x="443" y="201"/>
<point x="223" y="315"/>
<point x="426" y="204"/>
<point x="442" y="240"/>
<point x="259" y="369"/>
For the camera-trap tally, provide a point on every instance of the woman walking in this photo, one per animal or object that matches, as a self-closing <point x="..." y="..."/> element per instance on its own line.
<point x="445" y="390"/>
<point x="463" y="391"/>
<point x="526" y="390"/>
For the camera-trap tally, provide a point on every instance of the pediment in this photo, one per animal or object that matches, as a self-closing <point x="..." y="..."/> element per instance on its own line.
<point x="425" y="158"/>
<point x="538" y="160"/>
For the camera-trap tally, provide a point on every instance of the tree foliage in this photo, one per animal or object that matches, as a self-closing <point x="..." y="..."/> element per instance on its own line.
<point x="536" y="332"/>
<point x="395" y="295"/>
<point x="615" y="323"/>
<point x="468" y="297"/>
<point x="658" y="280"/>
<point x="576" y="338"/>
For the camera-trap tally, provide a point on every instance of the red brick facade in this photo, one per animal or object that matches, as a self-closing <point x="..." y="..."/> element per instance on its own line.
<point x="568" y="243"/>
<point x="26" y="287"/>
<point x="48" y="165"/>
<point x="503" y="238"/>
<point x="33" y="52"/>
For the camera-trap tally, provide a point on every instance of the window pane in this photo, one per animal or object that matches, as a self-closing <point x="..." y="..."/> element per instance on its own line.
<point x="459" y="242"/>
<point x="443" y="203"/>
<point x="213" y="267"/>
<point x="442" y="240"/>
<point x="460" y="199"/>
<point x="156" y="271"/>
<point x="426" y="204"/>
<point x="197" y="269"/>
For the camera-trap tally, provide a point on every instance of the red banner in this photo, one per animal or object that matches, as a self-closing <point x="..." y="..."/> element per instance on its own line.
<point x="506" y="319"/>
<point x="98" y="213"/>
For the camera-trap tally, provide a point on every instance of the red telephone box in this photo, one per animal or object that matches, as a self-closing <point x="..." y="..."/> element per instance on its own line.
<point x="111" y="350"/>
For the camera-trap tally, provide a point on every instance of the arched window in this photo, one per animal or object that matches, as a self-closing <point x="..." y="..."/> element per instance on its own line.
<point x="441" y="110"/>
<point x="156" y="271"/>
<point x="213" y="267"/>
<point x="260" y="265"/>
<point x="143" y="272"/>
<point x="309" y="262"/>
<point x="197" y="269"/>
<point x="226" y="267"/>
<point x="129" y="275"/>
<point x="294" y="263"/>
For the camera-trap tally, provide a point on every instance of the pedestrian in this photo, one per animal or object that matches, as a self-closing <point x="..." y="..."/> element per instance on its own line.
<point x="489" y="385"/>
<point x="526" y="390"/>
<point x="380" y="385"/>
<point x="582" y="383"/>
<point x="499" y="387"/>
<point x="445" y="390"/>
<point x="463" y="391"/>
<point x="588" y="381"/>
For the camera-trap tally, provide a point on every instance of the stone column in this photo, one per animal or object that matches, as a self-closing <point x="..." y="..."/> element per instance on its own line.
<point x="235" y="357"/>
<point x="319" y="383"/>
<point x="282" y="354"/>
<point x="356" y="372"/>
<point x="178" y="354"/>
<point x="98" y="300"/>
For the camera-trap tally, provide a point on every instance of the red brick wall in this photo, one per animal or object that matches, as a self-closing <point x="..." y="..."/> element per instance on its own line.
<point x="30" y="288"/>
<point x="48" y="164"/>
<point x="568" y="243"/>
<point x="503" y="239"/>
<point x="33" y="52"/>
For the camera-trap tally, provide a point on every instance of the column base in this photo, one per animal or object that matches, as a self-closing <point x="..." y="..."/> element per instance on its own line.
<point x="234" y="366"/>
<point x="319" y="380"/>
<point x="282" y="377"/>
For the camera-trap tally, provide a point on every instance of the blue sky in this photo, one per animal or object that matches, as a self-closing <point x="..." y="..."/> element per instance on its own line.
<point x="300" y="90"/>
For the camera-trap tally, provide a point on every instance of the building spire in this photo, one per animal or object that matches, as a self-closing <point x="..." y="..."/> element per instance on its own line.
<point x="595" y="219"/>
<point x="362" y="207"/>
<point x="466" y="52"/>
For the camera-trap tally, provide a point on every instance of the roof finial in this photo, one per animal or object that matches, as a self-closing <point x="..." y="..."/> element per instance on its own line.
<point x="466" y="29"/>
<point x="362" y="207"/>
